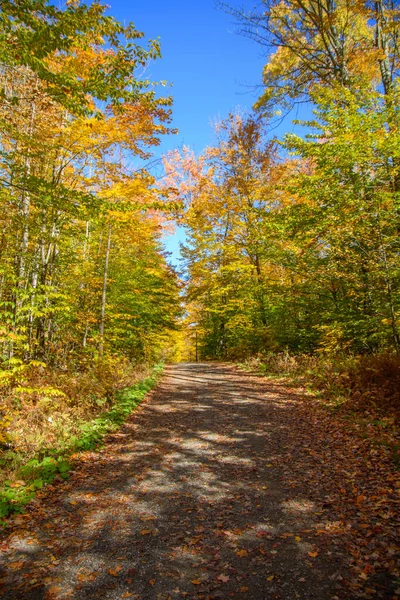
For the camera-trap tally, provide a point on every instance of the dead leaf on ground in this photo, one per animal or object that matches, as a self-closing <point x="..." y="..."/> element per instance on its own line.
<point x="16" y="565"/>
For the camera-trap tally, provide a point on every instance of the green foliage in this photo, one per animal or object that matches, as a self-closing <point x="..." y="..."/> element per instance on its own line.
<point x="35" y="473"/>
<point x="92" y="433"/>
<point x="346" y="224"/>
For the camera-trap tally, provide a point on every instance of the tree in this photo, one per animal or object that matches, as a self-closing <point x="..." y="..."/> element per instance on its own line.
<point x="346" y="219"/>
<point x="323" y="42"/>
<point x="301" y="253"/>
<point x="77" y="117"/>
<point x="231" y="195"/>
<point x="50" y="42"/>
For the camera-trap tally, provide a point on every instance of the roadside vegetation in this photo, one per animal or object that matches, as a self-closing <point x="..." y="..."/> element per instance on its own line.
<point x="363" y="390"/>
<point x="49" y="430"/>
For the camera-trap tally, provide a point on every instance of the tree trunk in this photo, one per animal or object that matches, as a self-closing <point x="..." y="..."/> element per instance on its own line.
<point x="104" y="294"/>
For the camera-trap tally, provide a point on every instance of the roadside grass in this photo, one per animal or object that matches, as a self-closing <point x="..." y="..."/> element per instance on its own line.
<point x="27" y="467"/>
<point x="364" y="390"/>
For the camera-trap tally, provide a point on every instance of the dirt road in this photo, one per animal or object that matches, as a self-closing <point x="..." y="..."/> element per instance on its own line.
<point x="215" y="488"/>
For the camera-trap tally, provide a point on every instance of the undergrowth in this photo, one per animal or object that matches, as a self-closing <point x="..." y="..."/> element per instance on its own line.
<point x="46" y="429"/>
<point x="363" y="389"/>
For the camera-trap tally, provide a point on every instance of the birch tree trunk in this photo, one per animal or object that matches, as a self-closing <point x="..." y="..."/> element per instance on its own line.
<point x="104" y="294"/>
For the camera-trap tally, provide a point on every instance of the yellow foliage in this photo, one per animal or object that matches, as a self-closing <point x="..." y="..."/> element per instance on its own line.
<point x="6" y="417"/>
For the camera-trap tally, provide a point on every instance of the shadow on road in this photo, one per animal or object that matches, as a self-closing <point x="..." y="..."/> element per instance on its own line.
<point x="198" y="496"/>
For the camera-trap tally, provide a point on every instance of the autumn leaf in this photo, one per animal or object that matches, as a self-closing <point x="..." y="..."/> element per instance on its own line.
<point x="54" y="590"/>
<point x="262" y="533"/>
<point x="242" y="553"/>
<point x="87" y="576"/>
<point x="223" y="578"/>
<point x="115" y="572"/>
<point x="15" y="565"/>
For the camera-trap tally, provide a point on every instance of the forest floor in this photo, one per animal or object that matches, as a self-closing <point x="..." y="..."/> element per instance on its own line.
<point x="221" y="485"/>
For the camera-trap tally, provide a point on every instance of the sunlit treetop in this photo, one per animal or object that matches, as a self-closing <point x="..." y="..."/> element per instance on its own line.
<point x="34" y="32"/>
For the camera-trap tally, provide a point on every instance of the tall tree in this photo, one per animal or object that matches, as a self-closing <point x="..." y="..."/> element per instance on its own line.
<point x="346" y="219"/>
<point x="328" y="42"/>
<point x="231" y="194"/>
<point x="77" y="122"/>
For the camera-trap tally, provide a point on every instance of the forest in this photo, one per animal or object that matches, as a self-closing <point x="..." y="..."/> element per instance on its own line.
<point x="291" y="258"/>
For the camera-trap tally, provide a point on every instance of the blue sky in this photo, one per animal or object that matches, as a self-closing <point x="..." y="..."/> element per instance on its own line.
<point x="209" y="65"/>
<point x="213" y="70"/>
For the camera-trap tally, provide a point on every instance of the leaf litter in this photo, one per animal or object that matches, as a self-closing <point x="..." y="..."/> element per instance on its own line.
<point x="248" y="489"/>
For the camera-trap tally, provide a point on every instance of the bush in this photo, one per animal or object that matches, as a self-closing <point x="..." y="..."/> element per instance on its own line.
<point x="374" y="382"/>
<point x="45" y="423"/>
